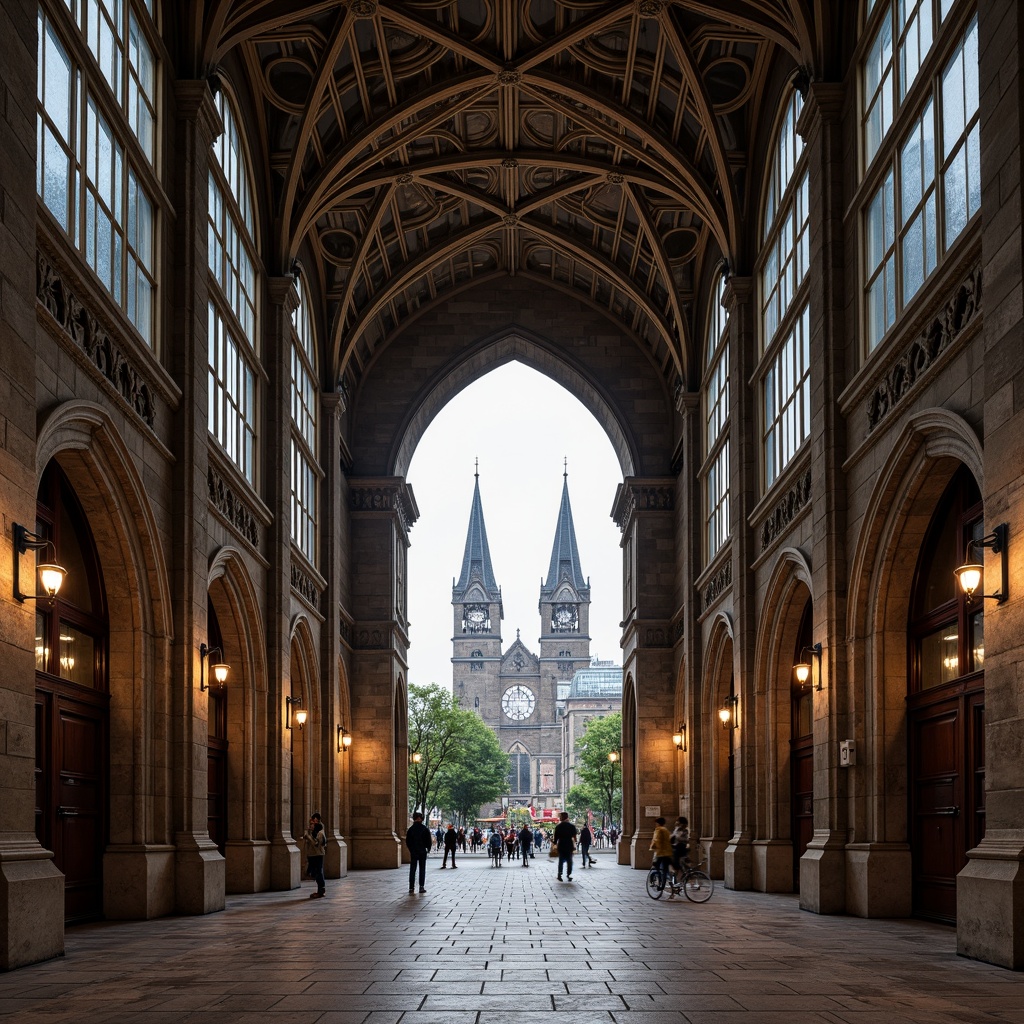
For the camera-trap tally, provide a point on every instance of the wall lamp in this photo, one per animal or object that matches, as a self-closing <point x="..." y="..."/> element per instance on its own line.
<point x="804" y="670"/>
<point x="727" y="712"/>
<point x="300" y="715"/>
<point x="679" y="737"/>
<point x="51" y="575"/>
<point x="344" y="738"/>
<point x="970" y="576"/>
<point x="415" y="757"/>
<point x="218" y="669"/>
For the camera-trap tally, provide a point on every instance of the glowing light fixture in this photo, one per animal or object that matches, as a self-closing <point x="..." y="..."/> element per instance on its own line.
<point x="344" y="740"/>
<point x="679" y="737"/>
<point x="970" y="576"/>
<point x="300" y="716"/>
<point x="219" y="670"/>
<point x="51" y="575"/>
<point x="727" y="712"/>
<point x="804" y="670"/>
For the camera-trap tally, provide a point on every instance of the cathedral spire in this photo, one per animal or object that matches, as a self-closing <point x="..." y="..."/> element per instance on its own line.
<point x="565" y="556"/>
<point x="476" y="561"/>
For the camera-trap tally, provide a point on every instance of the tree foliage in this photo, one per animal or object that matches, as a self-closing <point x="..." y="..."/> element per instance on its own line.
<point x="458" y="757"/>
<point x="600" y="779"/>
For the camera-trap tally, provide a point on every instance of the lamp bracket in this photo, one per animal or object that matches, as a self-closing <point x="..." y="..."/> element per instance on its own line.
<point x="997" y="542"/>
<point x="24" y="542"/>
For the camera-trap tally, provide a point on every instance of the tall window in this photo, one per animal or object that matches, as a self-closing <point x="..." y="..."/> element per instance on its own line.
<point x="96" y="124"/>
<point x="232" y="310"/>
<point x="304" y="462"/>
<point x="519" y="776"/>
<point x="922" y="150"/>
<point x="716" y="433"/>
<point x="785" y="382"/>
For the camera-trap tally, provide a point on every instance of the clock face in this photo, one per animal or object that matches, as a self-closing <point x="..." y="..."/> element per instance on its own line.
<point x="564" y="617"/>
<point x="518" y="702"/>
<point x="476" y="616"/>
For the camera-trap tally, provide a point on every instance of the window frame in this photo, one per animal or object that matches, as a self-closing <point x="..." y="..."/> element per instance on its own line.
<point x="304" y="429"/>
<point x="715" y="468"/>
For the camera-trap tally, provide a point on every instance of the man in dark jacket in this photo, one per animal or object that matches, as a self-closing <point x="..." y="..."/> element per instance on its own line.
<point x="525" y="842"/>
<point x="418" y="840"/>
<point x="451" y="842"/>
<point x="565" y="840"/>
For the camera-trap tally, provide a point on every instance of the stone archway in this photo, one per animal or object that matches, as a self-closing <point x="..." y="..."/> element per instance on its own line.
<point x="718" y="819"/>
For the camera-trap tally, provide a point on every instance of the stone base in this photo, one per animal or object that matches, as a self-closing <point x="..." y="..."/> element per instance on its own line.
<point x="286" y="864"/>
<point x="641" y="856"/>
<point x="772" y="865"/>
<point x="336" y="858"/>
<point x="623" y="851"/>
<point x="739" y="864"/>
<point x="714" y="855"/>
<point x="198" y="877"/>
<point x="138" y="882"/>
<point x="31" y="904"/>
<point x="990" y="901"/>
<point x="878" y="880"/>
<point x="823" y="874"/>
<point x="368" y="850"/>
<point x="247" y="865"/>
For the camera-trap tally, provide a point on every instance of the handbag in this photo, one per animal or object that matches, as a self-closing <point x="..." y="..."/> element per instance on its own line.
<point x="552" y="850"/>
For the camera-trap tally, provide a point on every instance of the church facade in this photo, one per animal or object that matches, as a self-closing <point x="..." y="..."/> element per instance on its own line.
<point x="515" y="691"/>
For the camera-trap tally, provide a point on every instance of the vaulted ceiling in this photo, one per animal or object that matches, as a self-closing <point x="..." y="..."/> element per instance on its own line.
<point x="421" y="147"/>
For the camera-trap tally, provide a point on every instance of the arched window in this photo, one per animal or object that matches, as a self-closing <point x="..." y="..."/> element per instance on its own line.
<point x="304" y="406"/>
<point x="232" y="311"/>
<point x="948" y="634"/>
<point x="519" y="776"/>
<point x="922" y="159"/>
<point x="785" y="318"/>
<point x="96" y="121"/>
<point x="715" y="470"/>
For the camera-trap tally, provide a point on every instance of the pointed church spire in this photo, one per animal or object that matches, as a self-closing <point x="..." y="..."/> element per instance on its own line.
<point x="565" y="556"/>
<point x="476" y="561"/>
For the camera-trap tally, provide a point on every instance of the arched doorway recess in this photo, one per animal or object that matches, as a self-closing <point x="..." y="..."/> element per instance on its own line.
<point x="718" y="822"/>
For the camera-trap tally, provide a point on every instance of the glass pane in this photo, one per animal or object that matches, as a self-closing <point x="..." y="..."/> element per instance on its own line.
<point x="939" y="660"/>
<point x="42" y="651"/>
<point x="75" y="589"/>
<point x="939" y="582"/>
<point x="977" y="635"/>
<point x="77" y="656"/>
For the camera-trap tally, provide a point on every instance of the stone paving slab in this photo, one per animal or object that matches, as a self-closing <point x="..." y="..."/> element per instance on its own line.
<point x="489" y="946"/>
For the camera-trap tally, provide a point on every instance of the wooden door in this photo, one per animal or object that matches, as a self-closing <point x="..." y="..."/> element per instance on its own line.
<point x="802" y="796"/>
<point x="217" y="771"/>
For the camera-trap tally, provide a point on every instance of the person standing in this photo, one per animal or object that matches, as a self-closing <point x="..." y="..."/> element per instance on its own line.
<point x="586" y="840"/>
<point x="418" y="841"/>
<point x="451" y="842"/>
<point x="661" y="844"/>
<point x="314" y="842"/>
<point x="525" y="842"/>
<point x="565" y="841"/>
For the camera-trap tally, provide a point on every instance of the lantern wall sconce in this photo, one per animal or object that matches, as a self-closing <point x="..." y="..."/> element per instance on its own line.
<point x="970" y="576"/>
<point x="727" y="712"/>
<point x="804" y="671"/>
<point x="679" y="737"/>
<point x="218" y="669"/>
<point x="51" y="575"/>
<point x="344" y="739"/>
<point x="300" y="715"/>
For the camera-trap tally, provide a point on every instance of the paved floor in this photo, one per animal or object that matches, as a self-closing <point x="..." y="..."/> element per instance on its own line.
<point x="509" y="946"/>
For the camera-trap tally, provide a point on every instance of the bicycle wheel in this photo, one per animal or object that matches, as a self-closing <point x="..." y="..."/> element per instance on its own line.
<point x="654" y="889"/>
<point x="698" y="886"/>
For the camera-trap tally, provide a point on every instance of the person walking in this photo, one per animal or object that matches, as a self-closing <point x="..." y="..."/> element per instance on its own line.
<point x="451" y="842"/>
<point x="525" y="843"/>
<point x="661" y="844"/>
<point x="418" y="842"/>
<point x="314" y="843"/>
<point x="565" y="841"/>
<point x="586" y="841"/>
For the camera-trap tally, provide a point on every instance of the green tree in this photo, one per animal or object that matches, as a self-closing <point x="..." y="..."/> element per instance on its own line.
<point x="436" y="725"/>
<point x="600" y="777"/>
<point x="582" y="798"/>
<point x="476" y="771"/>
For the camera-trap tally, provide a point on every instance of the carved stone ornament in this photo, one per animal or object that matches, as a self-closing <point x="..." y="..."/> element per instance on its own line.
<point x="642" y="498"/>
<point x="510" y="220"/>
<point x="649" y="8"/>
<point x="372" y="638"/>
<point x="381" y="499"/>
<point x="345" y="629"/>
<point x="509" y="76"/>
<point x="363" y="8"/>
<point x="958" y="312"/>
<point x="232" y="508"/>
<point x="510" y="163"/>
<point x="615" y="178"/>
<point x="304" y="586"/>
<point x="718" y="585"/>
<point x="93" y="338"/>
<point x="655" y="636"/>
<point x="787" y="509"/>
<point x="403" y="179"/>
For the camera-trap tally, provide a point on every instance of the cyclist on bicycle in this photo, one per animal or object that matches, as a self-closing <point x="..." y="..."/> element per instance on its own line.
<point x="661" y="844"/>
<point x="680" y="839"/>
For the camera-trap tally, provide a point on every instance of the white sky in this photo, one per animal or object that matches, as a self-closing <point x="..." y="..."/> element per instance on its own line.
<point x="521" y="425"/>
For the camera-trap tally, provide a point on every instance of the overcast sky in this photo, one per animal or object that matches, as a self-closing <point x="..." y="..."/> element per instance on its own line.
<point x="521" y="425"/>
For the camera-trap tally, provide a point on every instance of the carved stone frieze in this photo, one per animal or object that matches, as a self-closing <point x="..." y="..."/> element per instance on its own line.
<point x="921" y="353"/>
<point x="639" y="496"/>
<point x="372" y="638"/>
<point x="305" y="587"/>
<point x="656" y="636"/>
<point x="786" y="510"/>
<point x="93" y="338"/>
<point x="718" y="585"/>
<point x="231" y="507"/>
<point x="383" y="498"/>
<point x="345" y="630"/>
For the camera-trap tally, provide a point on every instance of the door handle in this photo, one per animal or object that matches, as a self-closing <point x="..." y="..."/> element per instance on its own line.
<point x="949" y="812"/>
<point x="66" y="812"/>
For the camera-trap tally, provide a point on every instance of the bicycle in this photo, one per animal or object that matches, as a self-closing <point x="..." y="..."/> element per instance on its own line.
<point x="696" y="884"/>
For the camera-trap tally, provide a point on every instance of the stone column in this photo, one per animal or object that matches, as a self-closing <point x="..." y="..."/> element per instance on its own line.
<point x="31" y="887"/>
<point x="643" y="510"/>
<point x="383" y="510"/>
<point x="823" y="866"/>
<point x="990" y="889"/>
<point x="335" y="709"/>
<point x="199" y="868"/>
<point x="285" y="857"/>
<point x="744" y="492"/>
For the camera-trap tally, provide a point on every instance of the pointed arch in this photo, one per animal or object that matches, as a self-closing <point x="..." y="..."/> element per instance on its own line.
<point x="717" y="682"/>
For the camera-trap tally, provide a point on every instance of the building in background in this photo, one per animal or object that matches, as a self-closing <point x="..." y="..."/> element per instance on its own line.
<point x="593" y="692"/>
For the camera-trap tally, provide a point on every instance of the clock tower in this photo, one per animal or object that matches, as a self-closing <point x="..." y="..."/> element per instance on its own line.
<point x="476" y="602"/>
